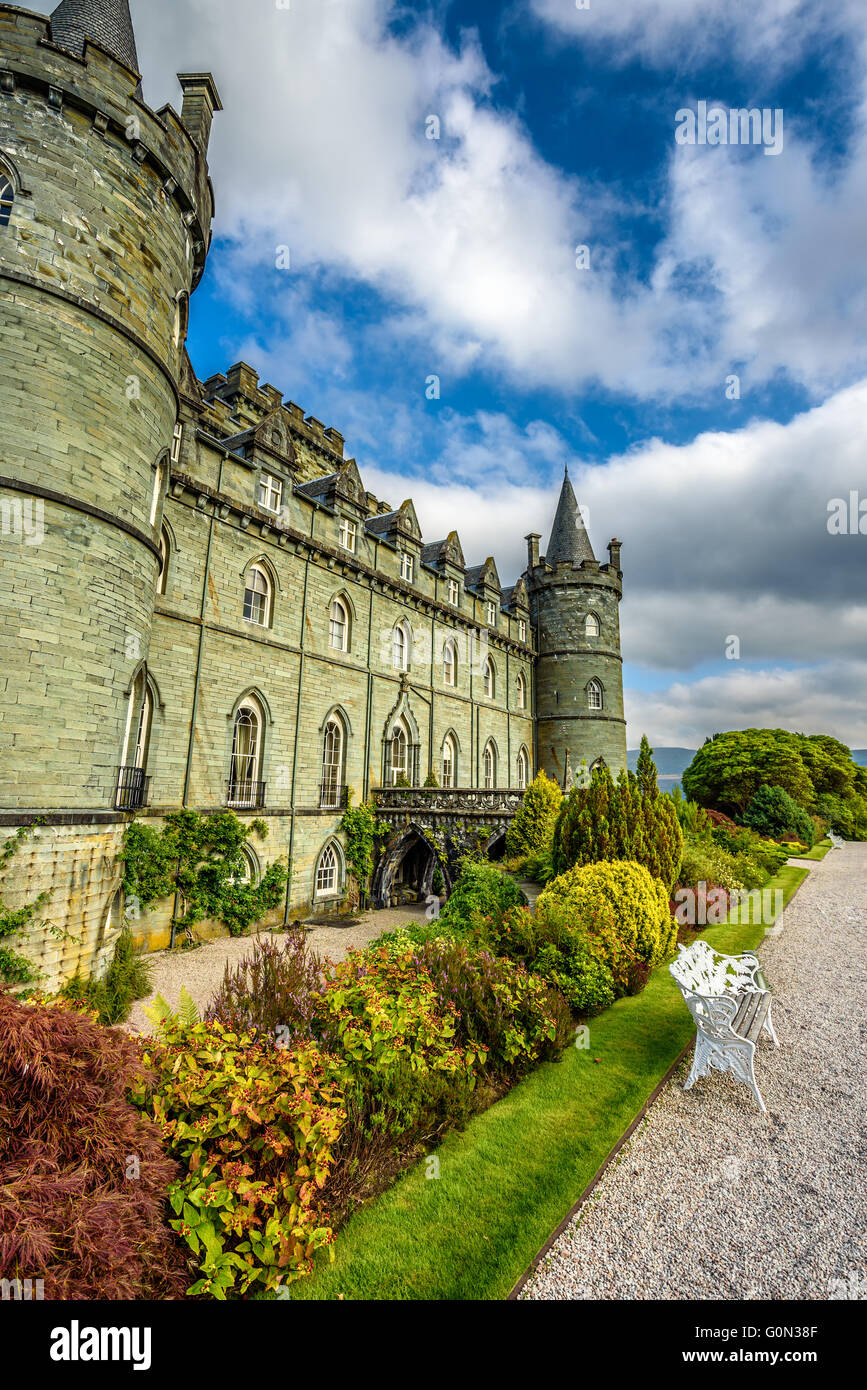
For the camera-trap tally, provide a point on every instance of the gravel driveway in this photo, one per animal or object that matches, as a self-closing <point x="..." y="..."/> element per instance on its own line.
<point x="200" y="970"/>
<point x="712" y="1199"/>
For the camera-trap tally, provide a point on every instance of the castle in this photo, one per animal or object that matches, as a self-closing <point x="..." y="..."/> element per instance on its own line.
<point x="201" y="605"/>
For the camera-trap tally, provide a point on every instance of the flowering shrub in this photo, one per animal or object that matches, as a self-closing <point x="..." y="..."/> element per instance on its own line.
<point x="83" y="1176"/>
<point x="513" y="1018"/>
<point x="255" y="1129"/>
<point x="379" y="1009"/>
<point x="272" y="993"/>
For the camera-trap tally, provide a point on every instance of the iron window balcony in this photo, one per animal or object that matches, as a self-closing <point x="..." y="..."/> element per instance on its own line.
<point x="244" y="794"/>
<point x="133" y="789"/>
<point x="333" y="796"/>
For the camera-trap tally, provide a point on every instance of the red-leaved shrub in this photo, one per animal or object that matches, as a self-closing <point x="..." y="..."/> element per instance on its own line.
<point x="83" y="1176"/>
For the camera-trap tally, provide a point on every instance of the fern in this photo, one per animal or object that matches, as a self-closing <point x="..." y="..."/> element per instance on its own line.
<point x="187" y="1013"/>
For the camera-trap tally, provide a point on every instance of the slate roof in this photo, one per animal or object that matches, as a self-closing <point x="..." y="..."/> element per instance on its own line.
<point x="106" y="22"/>
<point x="318" y="486"/>
<point x="569" y="543"/>
<point x="382" y="523"/>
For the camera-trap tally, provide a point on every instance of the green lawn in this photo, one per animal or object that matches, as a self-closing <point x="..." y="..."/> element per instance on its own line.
<point x="817" y="852"/>
<point x="508" y="1180"/>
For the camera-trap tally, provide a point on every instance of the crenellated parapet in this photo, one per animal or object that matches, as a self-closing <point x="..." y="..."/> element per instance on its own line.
<point x="164" y="162"/>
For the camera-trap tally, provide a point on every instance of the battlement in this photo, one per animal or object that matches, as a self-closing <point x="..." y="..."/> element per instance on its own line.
<point x="236" y="396"/>
<point x="104" y="89"/>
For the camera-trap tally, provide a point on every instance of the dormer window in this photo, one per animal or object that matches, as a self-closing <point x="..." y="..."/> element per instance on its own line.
<point x="492" y="614"/>
<point x="407" y="567"/>
<point x="454" y="593"/>
<point x="522" y="630"/>
<point x="270" y="492"/>
<point x="7" y="198"/>
<point x="348" y="533"/>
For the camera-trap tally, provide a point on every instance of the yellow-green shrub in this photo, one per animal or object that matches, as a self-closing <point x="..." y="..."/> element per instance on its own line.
<point x="619" y="900"/>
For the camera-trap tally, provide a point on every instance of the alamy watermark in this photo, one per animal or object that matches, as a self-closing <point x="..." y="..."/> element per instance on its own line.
<point x="723" y="125"/>
<point x="23" y="519"/>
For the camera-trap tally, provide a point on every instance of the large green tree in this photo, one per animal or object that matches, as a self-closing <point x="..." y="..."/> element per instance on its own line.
<point x="729" y="769"/>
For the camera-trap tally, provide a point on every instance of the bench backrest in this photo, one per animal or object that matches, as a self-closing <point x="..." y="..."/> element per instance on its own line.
<point x="699" y="969"/>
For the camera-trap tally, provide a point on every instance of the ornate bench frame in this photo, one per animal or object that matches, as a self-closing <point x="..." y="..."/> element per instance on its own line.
<point x="730" y="1002"/>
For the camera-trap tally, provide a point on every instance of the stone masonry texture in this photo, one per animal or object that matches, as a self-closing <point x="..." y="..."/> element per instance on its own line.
<point x="134" y="507"/>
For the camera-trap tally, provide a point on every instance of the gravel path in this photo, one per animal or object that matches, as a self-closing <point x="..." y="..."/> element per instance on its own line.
<point x="712" y="1199"/>
<point x="200" y="970"/>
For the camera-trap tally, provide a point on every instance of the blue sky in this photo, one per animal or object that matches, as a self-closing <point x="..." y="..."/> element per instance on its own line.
<point x="455" y="257"/>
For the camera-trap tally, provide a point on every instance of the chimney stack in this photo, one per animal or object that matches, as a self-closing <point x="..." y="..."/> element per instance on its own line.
<point x="201" y="100"/>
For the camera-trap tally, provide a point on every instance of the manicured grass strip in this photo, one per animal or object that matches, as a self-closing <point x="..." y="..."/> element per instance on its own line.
<point x="817" y="852"/>
<point x="507" y="1180"/>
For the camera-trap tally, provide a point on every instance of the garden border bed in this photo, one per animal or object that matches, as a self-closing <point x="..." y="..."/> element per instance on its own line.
<point x="407" y="1244"/>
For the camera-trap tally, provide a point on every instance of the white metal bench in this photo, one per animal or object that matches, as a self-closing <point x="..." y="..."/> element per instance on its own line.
<point x="836" y="841"/>
<point x="730" y="1002"/>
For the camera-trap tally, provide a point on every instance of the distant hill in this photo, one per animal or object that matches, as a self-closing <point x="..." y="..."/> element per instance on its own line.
<point x="859" y="756"/>
<point x="670" y="762"/>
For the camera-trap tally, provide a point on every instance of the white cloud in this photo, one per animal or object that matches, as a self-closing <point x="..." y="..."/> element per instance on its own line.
<point x="471" y="238"/>
<point x="827" y="700"/>
<point x="775" y="33"/>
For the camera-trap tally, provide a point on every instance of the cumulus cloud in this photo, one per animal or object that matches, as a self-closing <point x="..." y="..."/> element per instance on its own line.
<point x="775" y="33"/>
<point x="828" y="700"/>
<point x="471" y="239"/>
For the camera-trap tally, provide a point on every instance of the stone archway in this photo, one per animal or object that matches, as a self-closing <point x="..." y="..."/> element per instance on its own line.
<point x="406" y="869"/>
<point x="496" y="847"/>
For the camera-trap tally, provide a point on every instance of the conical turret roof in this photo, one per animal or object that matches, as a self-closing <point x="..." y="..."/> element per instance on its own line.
<point x="106" y="22"/>
<point x="569" y="543"/>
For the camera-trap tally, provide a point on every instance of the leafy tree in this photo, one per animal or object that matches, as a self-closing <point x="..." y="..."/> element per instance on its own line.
<point x="728" y="769"/>
<point x="533" y="826"/>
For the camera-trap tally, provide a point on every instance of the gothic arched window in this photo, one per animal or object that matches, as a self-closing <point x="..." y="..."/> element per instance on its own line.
<point x="522" y="691"/>
<point x="450" y="664"/>
<point x="490" y="765"/>
<point x="246" y="760"/>
<point x="257" y="596"/>
<point x="328" y="871"/>
<point x="594" y="695"/>
<point x="339" y="626"/>
<point x="398" y="755"/>
<point x="165" y="551"/>
<point x="7" y="198"/>
<point x="591" y="625"/>
<point x="523" y="769"/>
<point x="490" y="679"/>
<point x="450" y="762"/>
<point x="400" y="648"/>
<point x="332" y="763"/>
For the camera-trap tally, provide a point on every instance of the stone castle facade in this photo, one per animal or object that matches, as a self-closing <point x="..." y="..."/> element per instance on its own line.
<point x="200" y="603"/>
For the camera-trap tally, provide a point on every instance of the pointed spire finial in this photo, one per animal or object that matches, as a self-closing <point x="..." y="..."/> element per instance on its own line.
<point x="569" y="543"/>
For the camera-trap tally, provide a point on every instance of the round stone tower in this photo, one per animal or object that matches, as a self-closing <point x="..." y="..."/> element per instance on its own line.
<point x="574" y="602"/>
<point x="105" y="213"/>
